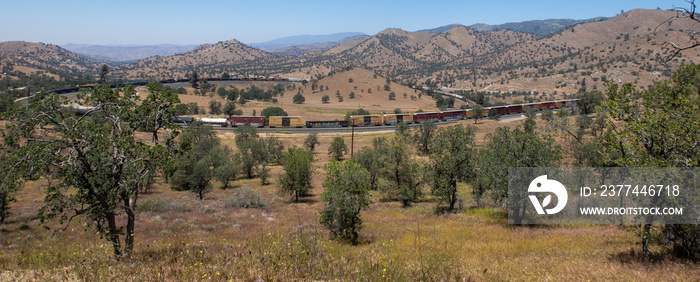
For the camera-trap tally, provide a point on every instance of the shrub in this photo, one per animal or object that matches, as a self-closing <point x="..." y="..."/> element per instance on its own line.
<point x="245" y="198"/>
<point x="179" y="207"/>
<point x="298" y="99"/>
<point x="156" y="205"/>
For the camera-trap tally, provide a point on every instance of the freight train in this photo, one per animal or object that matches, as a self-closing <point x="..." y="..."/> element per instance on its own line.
<point x="358" y="120"/>
<point x="386" y="119"/>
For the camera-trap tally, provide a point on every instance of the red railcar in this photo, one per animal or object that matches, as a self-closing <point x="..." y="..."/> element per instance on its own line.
<point x="254" y="121"/>
<point x="429" y="116"/>
<point x="547" y="105"/>
<point x="501" y="110"/>
<point x="456" y="114"/>
<point x="515" y="109"/>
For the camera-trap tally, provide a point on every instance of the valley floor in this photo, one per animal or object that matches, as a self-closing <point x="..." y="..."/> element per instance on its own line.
<point x="180" y="238"/>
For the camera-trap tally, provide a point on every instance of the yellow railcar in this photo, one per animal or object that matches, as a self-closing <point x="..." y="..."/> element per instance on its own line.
<point x="397" y="118"/>
<point x="366" y="120"/>
<point x="278" y="121"/>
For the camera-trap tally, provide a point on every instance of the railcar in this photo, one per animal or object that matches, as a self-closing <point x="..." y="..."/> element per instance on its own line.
<point x="215" y="121"/>
<point x="334" y="123"/>
<point x="366" y="120"/>
<point x="501" y="110"/>
<point x="428" y="116"/>
<point x="515" y="109"/>
<point x="64" y="90"/>
<point x="255" y="121"/>
<point x="530" y="106"/>
<point x="279" y="121"/>
<point x="546" y="106"/>
<point x="185" y="120"/>
<point x="454" y="114"/>
<point x="390" y="119"/>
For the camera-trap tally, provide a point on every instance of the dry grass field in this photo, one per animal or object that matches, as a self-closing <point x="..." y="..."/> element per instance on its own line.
<point x="180" y="238"/>
<point x="313" y="109"/>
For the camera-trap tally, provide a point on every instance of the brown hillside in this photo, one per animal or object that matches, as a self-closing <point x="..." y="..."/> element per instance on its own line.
<point x="362" y="81"/>
<point x="208" y="60"/>
<point x="52" y="60"/>
<point x="314" y="109"/>
<point x="626" y="48"/>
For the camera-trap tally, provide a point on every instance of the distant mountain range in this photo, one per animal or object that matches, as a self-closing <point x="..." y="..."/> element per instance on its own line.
<point x="126" y="53"/>
<point x="300" y="40"/>
<point x="539" y="27"/>
<point x="298" y="50"/>
<point x="300" y="44"/>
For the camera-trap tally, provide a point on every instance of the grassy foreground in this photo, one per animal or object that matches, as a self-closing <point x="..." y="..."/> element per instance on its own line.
<point x="180" y="238"/>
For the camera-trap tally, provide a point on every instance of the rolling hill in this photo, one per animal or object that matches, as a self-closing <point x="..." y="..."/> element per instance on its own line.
<point x="208" y="60"/>
<point x="626" y="48"/>
<point x="43" y="57"/>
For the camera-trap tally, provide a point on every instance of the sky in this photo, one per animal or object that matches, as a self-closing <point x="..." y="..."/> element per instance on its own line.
<point x="144" y="22"/>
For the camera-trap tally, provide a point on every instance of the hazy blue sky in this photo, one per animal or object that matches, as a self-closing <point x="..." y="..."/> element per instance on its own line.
<point x="210" y="21"/>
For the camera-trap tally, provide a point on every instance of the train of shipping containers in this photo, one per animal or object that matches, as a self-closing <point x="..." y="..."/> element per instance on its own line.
<point x="455" y="114"/>
<point x="429" y="116"/>
<point x="397" y="118"/>
<point x="333" y="123"/>
<point x="255" y="121"/>
<point x="366" y="120"/>
<point x="279" y="121"/>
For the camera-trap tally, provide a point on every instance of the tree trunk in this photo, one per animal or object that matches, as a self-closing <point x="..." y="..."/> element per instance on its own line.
<point x="3" y="206"/>
<point x="453" y="197"/>
<point x="645" y="242"/>
<point x="130" y="225"/>
<point x="113" y="234"/>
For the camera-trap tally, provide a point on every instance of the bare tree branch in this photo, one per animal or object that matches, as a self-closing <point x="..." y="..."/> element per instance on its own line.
<point x="682" y="13"/>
